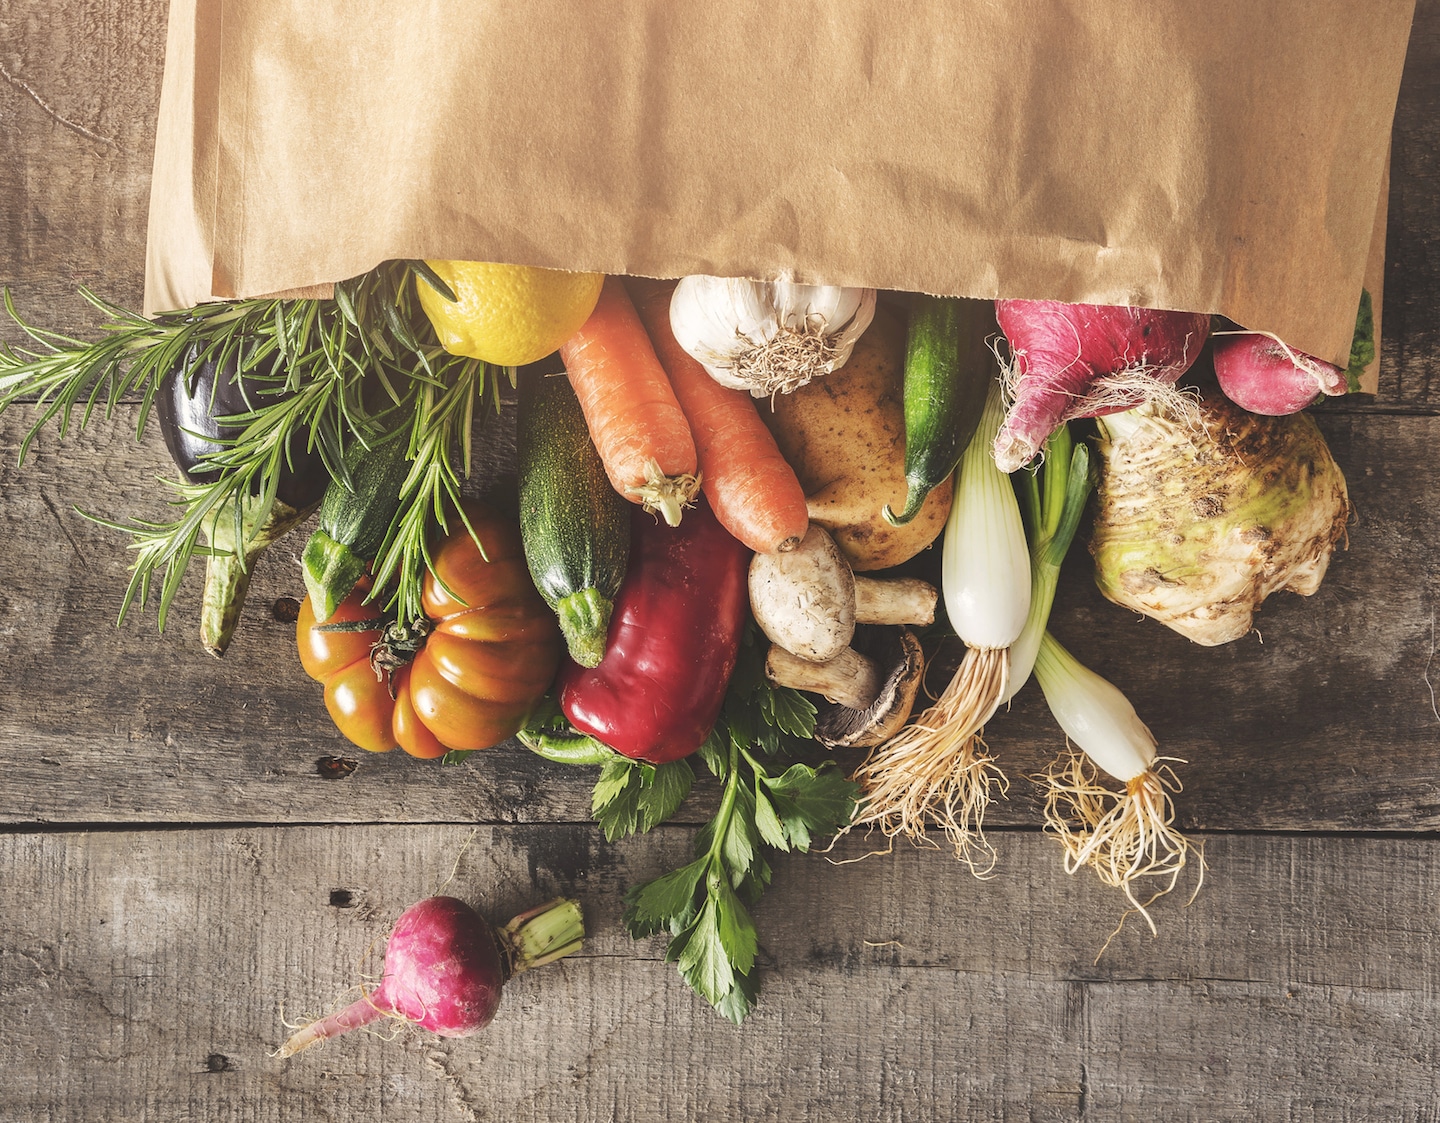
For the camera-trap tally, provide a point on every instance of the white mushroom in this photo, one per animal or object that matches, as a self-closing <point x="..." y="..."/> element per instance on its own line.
<point x="808" y="601"/>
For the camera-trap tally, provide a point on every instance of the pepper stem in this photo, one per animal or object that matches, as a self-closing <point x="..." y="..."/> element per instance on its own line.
<point x="544" y="934"/>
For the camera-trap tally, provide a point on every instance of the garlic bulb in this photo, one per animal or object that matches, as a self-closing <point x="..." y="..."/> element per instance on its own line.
<point x="768" y="337"/>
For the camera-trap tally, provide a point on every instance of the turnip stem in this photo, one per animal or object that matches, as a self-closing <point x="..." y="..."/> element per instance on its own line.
<point x="359" y="1013"/>
<point x="542" y="935"/>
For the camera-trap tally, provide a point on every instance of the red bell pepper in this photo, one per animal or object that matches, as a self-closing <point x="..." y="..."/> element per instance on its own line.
<point x="673" y="641"/>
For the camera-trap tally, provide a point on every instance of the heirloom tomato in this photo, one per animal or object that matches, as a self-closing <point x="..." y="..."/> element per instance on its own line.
<point x="487" y="651"/>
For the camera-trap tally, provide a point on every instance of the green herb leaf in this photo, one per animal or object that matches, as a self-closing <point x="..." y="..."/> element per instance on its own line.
<point x="704" y="963"/>
<point x="614" y="782"/>
<point x="741" y="839"/>
<point x="767" y="822"/>
<point x="788" y="711"/>
<point x="664" y="902"/>
<point x="713" y="937"/>
<point x="632" y="796"/>
<point x="809" y="802"/>
<point x="715" y="750"/>
<point x="740" y="999"/>
<point x="735" y="928"/>
<point x="1362" y="346"/>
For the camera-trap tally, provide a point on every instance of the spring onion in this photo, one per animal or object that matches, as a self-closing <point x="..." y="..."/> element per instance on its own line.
<point x="1125" y="834"/>
<point x="936" y="768"/>
<point x="1122" y="835"/>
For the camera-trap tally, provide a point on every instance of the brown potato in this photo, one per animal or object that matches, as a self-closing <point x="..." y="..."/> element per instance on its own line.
<point x="844" y="434"/>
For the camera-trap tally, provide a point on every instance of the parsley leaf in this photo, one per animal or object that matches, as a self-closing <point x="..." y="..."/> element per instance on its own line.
<point x="703" y="905"/>
<point x="634" y="796"/>
<point x="660" y="903"/>
<point x="808" y="801"/>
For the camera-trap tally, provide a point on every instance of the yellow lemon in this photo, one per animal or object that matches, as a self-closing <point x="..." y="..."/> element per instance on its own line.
<point x="508" y="315"/>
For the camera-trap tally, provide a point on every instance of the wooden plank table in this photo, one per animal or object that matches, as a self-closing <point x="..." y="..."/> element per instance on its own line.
<point x="181" y="866"/>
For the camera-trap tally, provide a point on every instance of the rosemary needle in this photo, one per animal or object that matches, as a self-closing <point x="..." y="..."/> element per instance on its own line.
<point x="340" y="357"/>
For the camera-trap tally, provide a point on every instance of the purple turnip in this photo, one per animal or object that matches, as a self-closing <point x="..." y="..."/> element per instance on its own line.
<point x="445" y="967"/>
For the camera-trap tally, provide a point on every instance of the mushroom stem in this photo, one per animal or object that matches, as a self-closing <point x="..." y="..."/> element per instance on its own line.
<point x="898" y="600"/>
<point x="850" y="679"/>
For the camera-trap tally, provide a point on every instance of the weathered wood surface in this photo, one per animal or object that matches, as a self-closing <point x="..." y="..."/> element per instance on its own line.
<point x="143" y="970"/>
<point x="145" y="974"/>
<point x="1326" y="724"/>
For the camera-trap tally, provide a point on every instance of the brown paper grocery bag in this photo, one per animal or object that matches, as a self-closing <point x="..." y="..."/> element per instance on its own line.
<point x="1225" y="157"/>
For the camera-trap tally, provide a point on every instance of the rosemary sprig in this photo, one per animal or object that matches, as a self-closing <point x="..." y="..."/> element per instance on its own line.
<point x="351" y="368"/>
<point x="440" y="435"/>
<point x="248" y="468"/>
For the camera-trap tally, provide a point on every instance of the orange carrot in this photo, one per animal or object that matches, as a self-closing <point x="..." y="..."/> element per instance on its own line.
<point x="636" y="423"/>
<point x="752" y="490"/>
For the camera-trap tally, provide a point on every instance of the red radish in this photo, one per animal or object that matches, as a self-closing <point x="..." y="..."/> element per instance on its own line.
<point x="445" y="967"/>
<point x="1260" y="374"/>
<point x="1086" y="360"/>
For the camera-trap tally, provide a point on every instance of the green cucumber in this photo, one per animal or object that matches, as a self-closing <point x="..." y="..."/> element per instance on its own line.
<point x="353" y="524"/>
<point x="575" y="527"/>
<point x="948" y="370"/>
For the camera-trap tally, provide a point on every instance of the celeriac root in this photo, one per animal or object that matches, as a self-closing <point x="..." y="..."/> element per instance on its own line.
<point x="1122" y="835"/>
<point x="936" y="769"/>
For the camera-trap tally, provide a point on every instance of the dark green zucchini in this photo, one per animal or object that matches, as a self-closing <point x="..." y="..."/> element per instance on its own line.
<point x="353" y="524"/>
<point x="574" y="525"/>
<point x="948" y="370"/>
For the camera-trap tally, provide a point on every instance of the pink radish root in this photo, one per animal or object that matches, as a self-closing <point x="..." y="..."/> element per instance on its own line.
<point x="1086" y="360"/>
<point x="445" y="968"/>
<point x="1261" y="374"/>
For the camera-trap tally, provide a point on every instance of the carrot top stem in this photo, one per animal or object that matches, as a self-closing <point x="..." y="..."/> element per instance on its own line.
<point x="667" y="495"/>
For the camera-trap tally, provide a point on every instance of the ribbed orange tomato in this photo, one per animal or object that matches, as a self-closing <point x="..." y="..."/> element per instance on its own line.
<point x="492" y="652"/>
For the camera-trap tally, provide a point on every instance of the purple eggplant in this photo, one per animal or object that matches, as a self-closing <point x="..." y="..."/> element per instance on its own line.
<point x="193" y="402"/>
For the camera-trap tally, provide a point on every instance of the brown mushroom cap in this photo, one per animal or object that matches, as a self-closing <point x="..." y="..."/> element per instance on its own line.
<point x="898" y="650"/>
